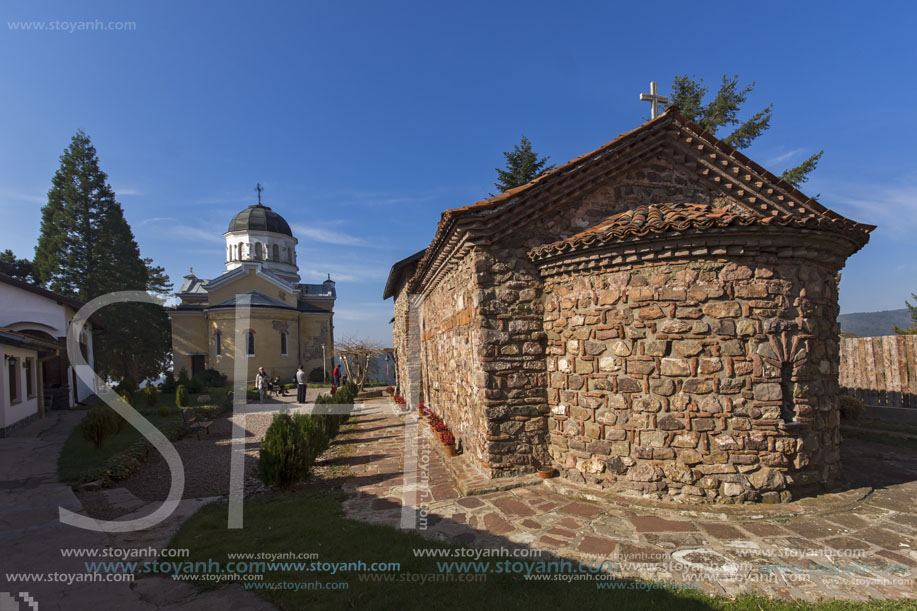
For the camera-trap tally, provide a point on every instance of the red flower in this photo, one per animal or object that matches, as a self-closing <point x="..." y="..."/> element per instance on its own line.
<point x="447" y="438"/>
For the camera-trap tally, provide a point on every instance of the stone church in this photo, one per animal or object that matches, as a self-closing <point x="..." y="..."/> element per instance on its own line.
<point x="290" y="323"/>
<point x="657" y="316"/>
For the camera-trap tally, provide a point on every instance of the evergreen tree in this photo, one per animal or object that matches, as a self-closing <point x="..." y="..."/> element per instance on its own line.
<point x="723" y="110"/>
<point x="87" y="249"/>
<point x="17" y="268"/>
<point x="522" y="166"/>
<point x="912" y="330"/>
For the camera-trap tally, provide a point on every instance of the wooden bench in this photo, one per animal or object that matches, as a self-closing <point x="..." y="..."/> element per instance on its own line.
<point x="193" y="423"/>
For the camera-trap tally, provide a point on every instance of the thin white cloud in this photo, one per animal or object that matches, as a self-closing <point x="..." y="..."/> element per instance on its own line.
<point x="342" y="272"/>
<point x="784" y="157"/>
<point x="892" y="207"/>
<point x="155" y="219"/>
<point x="23" y="196"/>
<point x="126" y="191"/>
<point x="326" y="236"/>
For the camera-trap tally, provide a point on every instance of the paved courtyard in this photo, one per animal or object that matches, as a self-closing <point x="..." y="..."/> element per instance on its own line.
<point x="857" y="544"/>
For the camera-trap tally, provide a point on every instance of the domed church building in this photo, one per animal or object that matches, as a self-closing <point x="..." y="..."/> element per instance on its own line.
<point x="257" y="310"/>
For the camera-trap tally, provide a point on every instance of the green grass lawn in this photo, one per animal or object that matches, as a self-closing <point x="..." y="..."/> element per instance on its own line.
<point x="79" y="457"/>
<point x="306" y="521"/>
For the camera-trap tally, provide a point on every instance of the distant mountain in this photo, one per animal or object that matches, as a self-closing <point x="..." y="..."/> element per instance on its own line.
<point x="871" y="324"/>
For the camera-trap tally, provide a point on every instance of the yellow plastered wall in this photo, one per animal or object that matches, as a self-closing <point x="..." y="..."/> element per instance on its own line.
<point x="189" y="335"/>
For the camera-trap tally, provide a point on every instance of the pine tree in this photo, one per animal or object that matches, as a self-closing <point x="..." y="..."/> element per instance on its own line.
<point x="87" y="249"/>
<point x="20" y="269"/>
<point x="522" y="166"/>
<point x="912" y="330"/>
<point x="723" y="110"/>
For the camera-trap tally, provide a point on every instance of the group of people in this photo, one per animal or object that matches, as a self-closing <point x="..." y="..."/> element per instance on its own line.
<point x="264" y="383"/>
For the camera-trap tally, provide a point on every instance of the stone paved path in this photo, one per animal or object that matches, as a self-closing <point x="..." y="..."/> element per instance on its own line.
<point x="855" y="545"/>
<point x="31" y="537"/>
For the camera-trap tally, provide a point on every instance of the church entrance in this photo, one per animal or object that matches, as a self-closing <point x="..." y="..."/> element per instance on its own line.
<point x="197" y="363"/>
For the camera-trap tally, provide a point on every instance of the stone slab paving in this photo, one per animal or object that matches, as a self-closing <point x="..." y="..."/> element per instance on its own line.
<point x="31" y="537"/>
<point x="858" y="545"/>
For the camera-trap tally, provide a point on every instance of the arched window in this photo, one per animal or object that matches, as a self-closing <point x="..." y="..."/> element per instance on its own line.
<point x="283" y="344"/>
<point x="217" y="344"/>
<point x="259" y="251"/>
<point x="275" y="254"/>
<point x="250" y="343"/>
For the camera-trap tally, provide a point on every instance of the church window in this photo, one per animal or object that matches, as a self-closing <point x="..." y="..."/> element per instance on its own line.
<point x="787" y="407"/>
<point x="275" y="254"/>
<point x="250" y="343"/>
<point x="283" y="344"/>
<point x="217" y="343"/>
<point x="259" y="251"/>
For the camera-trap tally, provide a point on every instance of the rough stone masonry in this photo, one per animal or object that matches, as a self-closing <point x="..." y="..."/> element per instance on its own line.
<point x="658" y="316"/>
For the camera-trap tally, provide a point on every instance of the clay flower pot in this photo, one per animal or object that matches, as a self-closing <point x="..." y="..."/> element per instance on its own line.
<point x="450" y="450"/>
<point x="546" y="472"/>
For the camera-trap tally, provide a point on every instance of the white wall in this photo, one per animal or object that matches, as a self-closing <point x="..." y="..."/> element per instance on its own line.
<point x="22" y="310"/>
<point x="25" y="407"/>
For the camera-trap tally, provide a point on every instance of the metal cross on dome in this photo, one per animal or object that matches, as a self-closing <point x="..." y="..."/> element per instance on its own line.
<point x="654" y="99"/>
<point x="259" y="189"/>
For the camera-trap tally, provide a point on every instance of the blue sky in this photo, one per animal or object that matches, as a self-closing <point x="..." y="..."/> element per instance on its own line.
<point x="364" y="120"/>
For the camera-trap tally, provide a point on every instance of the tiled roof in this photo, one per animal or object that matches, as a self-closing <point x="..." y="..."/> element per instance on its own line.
<point x="693" y="134"/>
<point x="253" y="298"/>
<point x="394" y="275"/>
<point x="657" y="219"/>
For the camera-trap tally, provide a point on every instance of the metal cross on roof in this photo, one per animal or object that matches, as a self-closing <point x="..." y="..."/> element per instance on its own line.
<point x="259" y="189"/>
<point x="654" y="99"/>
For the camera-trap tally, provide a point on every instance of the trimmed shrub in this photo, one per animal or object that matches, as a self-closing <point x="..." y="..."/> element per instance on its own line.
<point x="317" y="375"/>
<point x="851" y="408"/>
<point x="169" y="384"/>
<point x="284" y="458"/>
<point x="181" y="396"/>
<point x="210" y="378"/>
<point x="116" y="421"/>
<point x="151" y="395"/>
<point x="314" y="435"/>
<point x="165" y="410"/>
<point x="97" y="425"/>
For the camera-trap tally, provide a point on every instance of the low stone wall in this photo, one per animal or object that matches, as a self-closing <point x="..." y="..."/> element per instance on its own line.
<point x="700" y="380"/>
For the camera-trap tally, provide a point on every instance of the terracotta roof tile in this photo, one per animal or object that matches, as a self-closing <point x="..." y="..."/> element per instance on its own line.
<point x="657" y="219"/>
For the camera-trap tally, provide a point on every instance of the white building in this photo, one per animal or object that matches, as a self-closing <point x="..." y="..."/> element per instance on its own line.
<point x="35" y="373"/>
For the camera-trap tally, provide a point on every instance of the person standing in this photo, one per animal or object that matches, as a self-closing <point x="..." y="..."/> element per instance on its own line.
<point x="336" y="375"/>
<point x="261" y="383"/>
<point x="300" y="385"/>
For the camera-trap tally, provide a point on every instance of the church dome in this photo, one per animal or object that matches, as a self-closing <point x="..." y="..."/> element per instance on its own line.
<point x="259" y="218"/>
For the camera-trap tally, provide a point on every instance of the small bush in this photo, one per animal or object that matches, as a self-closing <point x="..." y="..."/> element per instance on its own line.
<point x="169" y="384"/>
<point x="284" y="458"/>
<point x="151" y="395"/>
<point x="97" y="425"/>
<point x="317" y="374"/>
<point x="210" y="378"/>
<point x="851" y="408"/>
<point x="165" y="410"/>
<point x="116" y="421"/>
<point x="314" y="435"/>
<point x="181" y="396"/>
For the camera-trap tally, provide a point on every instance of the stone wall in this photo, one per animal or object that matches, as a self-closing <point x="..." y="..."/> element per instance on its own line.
<point x="406" y="338"/>
<point x="699" y="378"/>
<point x="448" y="358"/>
